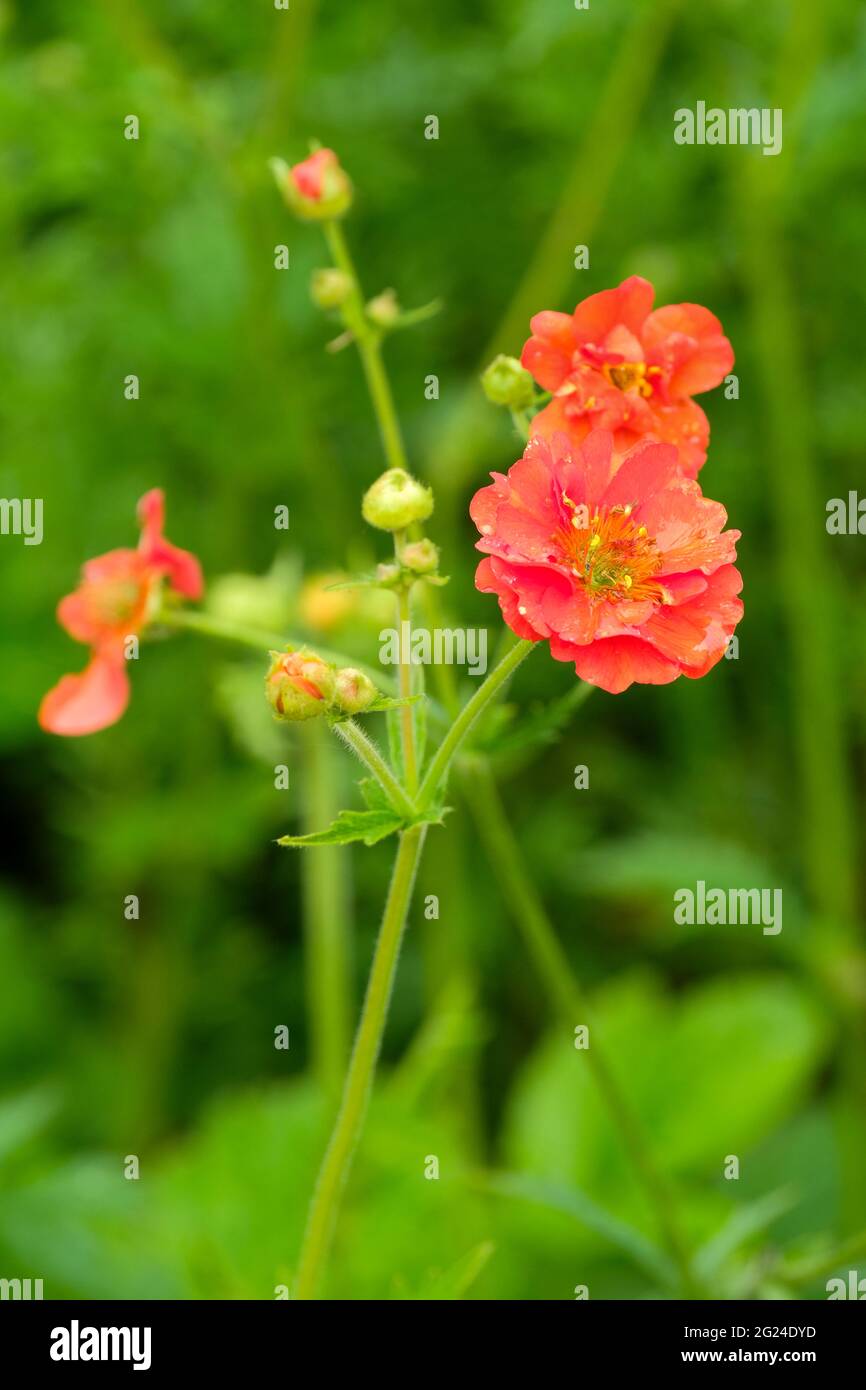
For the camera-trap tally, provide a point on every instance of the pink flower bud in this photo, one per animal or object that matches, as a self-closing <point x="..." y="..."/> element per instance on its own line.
<point x="317" y="189"/>
<point x="354" y="691"/>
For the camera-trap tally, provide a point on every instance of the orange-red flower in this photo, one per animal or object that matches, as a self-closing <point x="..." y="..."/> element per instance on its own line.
<point x="615" y="365"/>
<point x="624" y="568"/>
<point x="117" y="597"/>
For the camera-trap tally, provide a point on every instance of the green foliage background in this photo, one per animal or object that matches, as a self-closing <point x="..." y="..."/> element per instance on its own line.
<point x="156" y="1037"/>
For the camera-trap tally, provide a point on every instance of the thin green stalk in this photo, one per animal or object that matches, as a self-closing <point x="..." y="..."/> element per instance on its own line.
<point x="368" y="342"/>
<point x="559" y="979"/>
<point x="407" y="724"/>
<point x="326" y="918"/>
<point x="466" y="718"/>
<point x="364" y="748"/>
<point x="338" y="1158"/>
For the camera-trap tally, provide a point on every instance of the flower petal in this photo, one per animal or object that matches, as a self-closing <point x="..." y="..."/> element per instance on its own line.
<point x="91" y="700"/>
<point x="615" y="663"/>
<point x="628" y="305"/>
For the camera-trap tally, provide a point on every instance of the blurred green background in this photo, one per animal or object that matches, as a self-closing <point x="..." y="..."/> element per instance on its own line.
<point x="156" y="1037"/>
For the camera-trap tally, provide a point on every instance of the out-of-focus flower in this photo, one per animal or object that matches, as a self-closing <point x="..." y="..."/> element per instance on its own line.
<point x="118" y="596"/>
<point x="396" y="500"/>
<point x="323" y="608"/>
<point x="615" y="365"/>
<point x="317" y="189"/>
<point x="299" y="685"/>
<point x="624" y="568"/>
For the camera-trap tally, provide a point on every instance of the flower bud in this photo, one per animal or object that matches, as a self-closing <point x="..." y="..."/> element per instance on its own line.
<point x="317" y="189"/>
<point x="354" y="690"/>
<point x="396" y="500"/>
<point x="384" y="309"/>
<point x="505" y="382"/>
<point x="330" y="287"/>
<point x="422" y="557"/>
<point x="299" y="686"/>
<point x="389" y="574"/>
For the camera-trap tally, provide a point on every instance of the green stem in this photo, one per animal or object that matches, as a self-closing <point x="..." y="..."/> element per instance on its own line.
<point x="353" y="735"/>
<point x="555" y="971"/>
<point x="368" y="342"/>
<point x="326" y="918"/>
<point x="466" y="718"/>
<point x="338" y="1158"/>
<point x="407" y="716"/>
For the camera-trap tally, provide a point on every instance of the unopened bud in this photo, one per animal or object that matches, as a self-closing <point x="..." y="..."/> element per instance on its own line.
<point x="299" y="686"/>
<point x="384" y="309"/>
<point x="505" y="382"/>
<point x="330" y="287"/>
<point x="388" y="573"/>
<point x="422" y="557"/>
<point x="317" y="189"/>
<point x="354" y="690"/>
<point x="396" y="500"/>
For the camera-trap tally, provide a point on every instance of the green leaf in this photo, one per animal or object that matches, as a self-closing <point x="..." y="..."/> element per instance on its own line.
<point x="386" y="702"/>
<point x="22" y="1117"/>
<point x="745" y="1222"/>
<point x="383" y="703"/>
<point x="369" y="826"/>
<point x="709" y="1074"/>
<point x="374" y="794"/>
<point x="570" y="1201"/>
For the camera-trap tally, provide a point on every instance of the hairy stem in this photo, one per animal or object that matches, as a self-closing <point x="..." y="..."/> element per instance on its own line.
<point x="326" y="918"/>
<point x="353" y="735"/>
<point x="407" y="718"/>
<point x="338" y="1157"/>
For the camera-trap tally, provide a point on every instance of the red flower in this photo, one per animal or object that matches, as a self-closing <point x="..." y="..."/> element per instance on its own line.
<point x="614" y="365"/>
<point x="624" y="568"/>
<point x="117" y="597"/>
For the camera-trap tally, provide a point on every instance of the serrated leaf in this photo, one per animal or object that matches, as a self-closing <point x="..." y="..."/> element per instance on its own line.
<point x="374" y="794"/>
<point x="369" y="826"/>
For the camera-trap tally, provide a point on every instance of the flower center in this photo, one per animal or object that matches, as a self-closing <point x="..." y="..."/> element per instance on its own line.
<point x="611" y="555"/>
<point x="627" y="375"/>
<point x="116" y="602"/>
